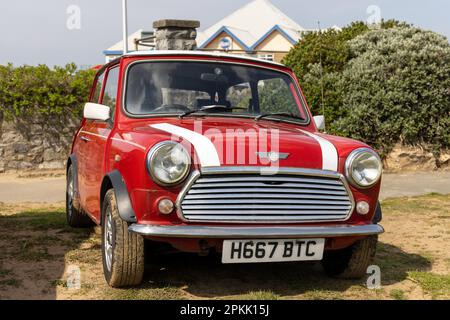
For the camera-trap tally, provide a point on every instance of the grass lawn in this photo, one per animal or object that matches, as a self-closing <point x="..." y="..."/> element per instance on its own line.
<point x="37" y="248"/>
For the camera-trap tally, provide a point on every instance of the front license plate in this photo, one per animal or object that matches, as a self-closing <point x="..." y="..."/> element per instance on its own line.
<point x="255" y="251"/>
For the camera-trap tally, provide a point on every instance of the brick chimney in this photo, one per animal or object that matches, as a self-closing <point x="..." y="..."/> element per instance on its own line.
<point x="176" y="34"/>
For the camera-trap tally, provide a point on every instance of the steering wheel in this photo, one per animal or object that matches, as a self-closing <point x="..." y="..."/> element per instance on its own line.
<point x="172" y="108"/>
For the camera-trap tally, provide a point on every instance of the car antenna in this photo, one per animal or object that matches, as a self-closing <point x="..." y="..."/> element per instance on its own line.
<point x="321" y="74"/>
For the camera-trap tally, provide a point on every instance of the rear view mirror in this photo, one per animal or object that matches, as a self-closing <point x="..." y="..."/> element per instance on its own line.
<point x="95" y="111"/>
<point x="320" y="122"/>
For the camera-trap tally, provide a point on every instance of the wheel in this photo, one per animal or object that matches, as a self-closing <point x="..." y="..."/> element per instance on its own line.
<point x="75" y="217"/>
<point x="351" y="262"/>
<point x="122" y="251"/>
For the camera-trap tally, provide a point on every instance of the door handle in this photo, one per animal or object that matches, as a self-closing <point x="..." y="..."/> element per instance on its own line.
<point x="85" y="139"/>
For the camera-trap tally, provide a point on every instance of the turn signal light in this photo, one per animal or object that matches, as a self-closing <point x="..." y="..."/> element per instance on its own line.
<point x="362" y="207"/>
<point x="166" y="206"/>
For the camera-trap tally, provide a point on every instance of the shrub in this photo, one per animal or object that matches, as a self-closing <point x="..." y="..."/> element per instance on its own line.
<point x="332" y="46"/>
<point x="381" y="86"/>
<point x="396" y="88"/>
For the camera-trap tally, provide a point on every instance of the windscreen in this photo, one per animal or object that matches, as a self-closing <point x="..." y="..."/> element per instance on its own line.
<point x="156" y="88"/>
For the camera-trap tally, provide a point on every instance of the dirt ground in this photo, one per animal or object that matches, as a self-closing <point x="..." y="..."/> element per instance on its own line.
<point x="37" y="249"/>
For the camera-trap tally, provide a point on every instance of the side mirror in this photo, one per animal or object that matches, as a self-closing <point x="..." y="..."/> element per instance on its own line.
<point x="95" y="111"/>
<point x="320" y="122"/>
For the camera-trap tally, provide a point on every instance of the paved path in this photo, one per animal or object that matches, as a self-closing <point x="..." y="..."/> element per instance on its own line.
<point x="13" y="190"/>
<point x="415" y="184"/>
<point x="17" y="190"/>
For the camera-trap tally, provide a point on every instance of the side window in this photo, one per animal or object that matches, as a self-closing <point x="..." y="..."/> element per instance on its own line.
<point x="111" y="87"/>
<point x="240" y="96"/>
<point x="275" y="96"/>
<point x="98" y="88"/>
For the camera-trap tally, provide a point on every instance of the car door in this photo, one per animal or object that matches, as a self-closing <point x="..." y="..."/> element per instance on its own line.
<point x="82" y="143"/>
<point x="95" y="137"/>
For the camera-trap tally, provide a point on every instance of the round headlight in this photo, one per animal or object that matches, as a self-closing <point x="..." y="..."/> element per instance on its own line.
<point x="363" y="168"/>
<point x="168" y="163"/>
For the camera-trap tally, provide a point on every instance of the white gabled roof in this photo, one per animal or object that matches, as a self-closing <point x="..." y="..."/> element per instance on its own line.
<point x="251" y="23"/>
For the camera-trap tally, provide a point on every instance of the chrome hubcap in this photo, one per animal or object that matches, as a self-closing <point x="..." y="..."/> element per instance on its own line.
<point x="108" y="241"/>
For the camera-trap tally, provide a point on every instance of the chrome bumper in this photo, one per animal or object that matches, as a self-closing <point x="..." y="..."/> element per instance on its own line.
<point x="255" y="232"/>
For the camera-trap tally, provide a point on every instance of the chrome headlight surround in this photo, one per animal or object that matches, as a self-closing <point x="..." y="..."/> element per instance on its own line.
<point x="162" y="154"/>
<point x="360" y="176"/>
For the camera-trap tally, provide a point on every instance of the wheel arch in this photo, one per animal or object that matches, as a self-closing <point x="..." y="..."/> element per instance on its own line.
<point x="378" y="216"/>
<point x="115" y="181"/>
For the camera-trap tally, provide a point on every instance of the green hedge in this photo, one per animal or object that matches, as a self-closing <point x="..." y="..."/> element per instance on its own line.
<point x="29" y="91"/>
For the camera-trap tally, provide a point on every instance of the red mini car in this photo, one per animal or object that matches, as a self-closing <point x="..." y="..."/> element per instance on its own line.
<point x="218" y="153"/>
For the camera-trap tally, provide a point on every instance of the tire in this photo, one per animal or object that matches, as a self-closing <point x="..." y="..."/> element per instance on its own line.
<point x="122" y="251"/>
<point x="76" y="218"/>
<point x="351" y="262"/>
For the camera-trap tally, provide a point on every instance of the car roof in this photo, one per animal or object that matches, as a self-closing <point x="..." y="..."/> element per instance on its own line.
<point x="198" y="53"/>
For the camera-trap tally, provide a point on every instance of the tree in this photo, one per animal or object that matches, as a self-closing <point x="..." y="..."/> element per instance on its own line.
<point x="396" y="88"/>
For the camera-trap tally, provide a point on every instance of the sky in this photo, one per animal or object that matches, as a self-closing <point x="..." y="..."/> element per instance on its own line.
<point x="45" y="32"/>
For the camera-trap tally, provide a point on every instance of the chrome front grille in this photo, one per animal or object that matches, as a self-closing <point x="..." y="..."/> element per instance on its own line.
<point x="244" y="195"/>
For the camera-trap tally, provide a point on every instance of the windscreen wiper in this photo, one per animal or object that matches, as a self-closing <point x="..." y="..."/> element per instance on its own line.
<point x="210" y="108"/>
<point x="280" y="114"/>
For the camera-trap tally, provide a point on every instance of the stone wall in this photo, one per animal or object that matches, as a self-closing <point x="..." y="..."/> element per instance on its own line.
<point x="36" y="143"/>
